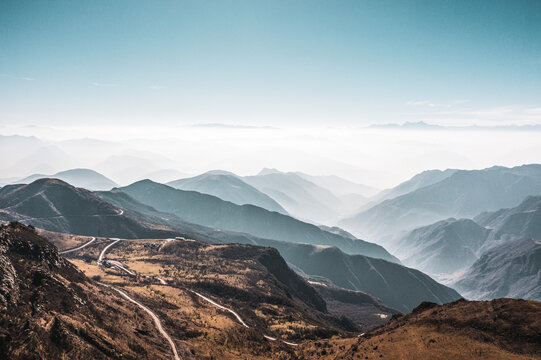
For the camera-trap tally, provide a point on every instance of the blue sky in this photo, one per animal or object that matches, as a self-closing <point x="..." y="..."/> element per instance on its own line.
<point x="270" y="62"/>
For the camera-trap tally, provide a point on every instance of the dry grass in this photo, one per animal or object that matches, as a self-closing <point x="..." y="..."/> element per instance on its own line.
<point x="419" y="342"/>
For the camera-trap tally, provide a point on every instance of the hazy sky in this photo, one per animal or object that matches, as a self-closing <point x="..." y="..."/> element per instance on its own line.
<point x="269" y="62"/>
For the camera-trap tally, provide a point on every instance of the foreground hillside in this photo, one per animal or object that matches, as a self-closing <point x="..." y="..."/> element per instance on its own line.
<point x="226" y="301"/>
<point x="498" y="329"/>
<point x="50" y="310"/>
<point x="207" y="301"/>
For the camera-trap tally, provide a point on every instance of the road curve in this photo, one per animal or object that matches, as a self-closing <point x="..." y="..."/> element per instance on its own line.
<point x="154" y="317"/>
<point x="79" y="247"/>
<point x="221" y="307"/>
<point x="102" y="254"/>
<point x="163" y="282"/>
<point x="119" y="265"/>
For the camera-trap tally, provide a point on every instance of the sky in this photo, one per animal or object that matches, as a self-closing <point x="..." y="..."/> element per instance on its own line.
<point x="293" y="85"/>
<point x="269" y="63"/>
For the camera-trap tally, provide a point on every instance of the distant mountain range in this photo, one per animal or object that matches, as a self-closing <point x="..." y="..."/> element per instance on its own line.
<point x="317" y="199"/>
<point x="300" y="197"/>
<point x="511" y="270"/>
<point x="213" y="212"/>
<point x="464" y="193"/>
<point x="420" y="180"/>
<point x="57" y="206"/>
<point x="380" y="278"/>
<point x="54" y="205"/>
<point x="421" y="125"/>
<point x="339" y="186"/>
<point x="85" y="178"/>
<point x="228" y="187"/>
<point x="443" y="247"/>
<point x="495" y="255"/>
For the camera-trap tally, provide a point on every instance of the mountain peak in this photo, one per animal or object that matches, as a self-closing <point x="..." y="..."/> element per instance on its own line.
<point x="267" y="171"/>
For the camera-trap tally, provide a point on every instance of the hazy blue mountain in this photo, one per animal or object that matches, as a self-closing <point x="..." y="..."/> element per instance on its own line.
<point x="132" y="165"/>
<point x="299" y="197"/>
<point x="338" y="231"/>
<point x="463" y="194"/>
<point x="443" y="247"/>
<point x="267" y="171"/>
<point x="509" y="270"/>
<point x="55" y="205"/>
<point x="165" y="175"/>
<point x="213" y="212"/>
<point x="44" y="160"/>
<point x="477" y="248"/>
<point x="521" y="221"/>
<point x="420" y="180"/>
<point x="397" y="286"/>
<point x="339" y="186"/>
<point x="228" y="187"/>
<point x="85" y="178"/>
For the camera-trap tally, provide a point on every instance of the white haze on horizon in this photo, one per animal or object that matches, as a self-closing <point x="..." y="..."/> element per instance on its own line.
<point x="377" y="157"/>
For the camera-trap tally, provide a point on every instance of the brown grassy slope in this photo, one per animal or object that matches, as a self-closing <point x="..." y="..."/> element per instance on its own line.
<point x="498" y="329"/>
<point x="50" y="310"/>
<point x="253" y="280"/>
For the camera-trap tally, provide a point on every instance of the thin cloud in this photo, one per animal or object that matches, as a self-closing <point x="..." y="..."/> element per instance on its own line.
<point x="430" y="104"/>
<point x="25" y="78"/>
<point x="509" y="114"/>
<point x="106" y="84"/>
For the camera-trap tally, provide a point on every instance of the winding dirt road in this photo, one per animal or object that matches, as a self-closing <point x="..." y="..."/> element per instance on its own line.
<point x="221" y="307"/>
<point x="154" y="317"/>
<point x="102" y="254"/>
<point x="163" y="282"/>
<point x="79" y="247"/>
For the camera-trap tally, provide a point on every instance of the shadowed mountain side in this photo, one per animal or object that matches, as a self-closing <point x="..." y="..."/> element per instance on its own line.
<point x="395" y="285"/>
<point x="228" y="187"/>
<point x="443" y="247"/>
<point x="213" y="212"/>
<point x="54" y="205"/>
<point x="452" y="245"/>
<point x="521" y="221"/>
<point x="509" y="270"/>
<point x="165" y="225"/>
<point x="365" y="310"/>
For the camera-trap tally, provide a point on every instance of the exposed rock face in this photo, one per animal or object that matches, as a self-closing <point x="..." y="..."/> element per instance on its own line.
<point x="50" y="310"/>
